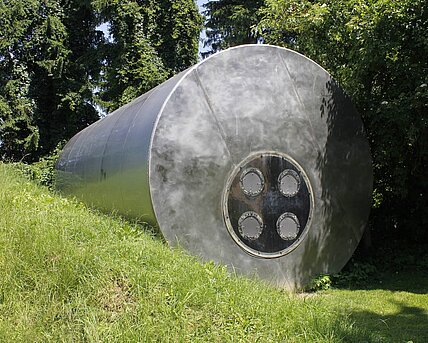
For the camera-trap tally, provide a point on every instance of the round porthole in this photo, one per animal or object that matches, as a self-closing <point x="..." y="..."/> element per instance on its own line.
<point x="289" y="183"/>
<point x="250" y="225"/>
<point x="252" y="181"/>
<point x="288" y="226"/>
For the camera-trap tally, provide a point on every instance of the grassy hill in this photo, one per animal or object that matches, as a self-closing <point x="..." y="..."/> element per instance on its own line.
<point x="70" y="274"/>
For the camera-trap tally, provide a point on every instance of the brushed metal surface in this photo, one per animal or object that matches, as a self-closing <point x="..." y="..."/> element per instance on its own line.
<point x="166" y="157"/>
<point x="106" y="164"/>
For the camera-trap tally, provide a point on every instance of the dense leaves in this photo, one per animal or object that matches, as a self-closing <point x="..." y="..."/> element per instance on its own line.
<point x="18" y="134"/>
<point x="131" y="65"/>
<point x="45" y="71"/>
<point x="63" y="77"/>
<point x="378" y="51"/>
<point x="177" y="27"/>
<point x="231" y="22"/>
<point x="57" y="69"/>
<point x="151" y="40"/>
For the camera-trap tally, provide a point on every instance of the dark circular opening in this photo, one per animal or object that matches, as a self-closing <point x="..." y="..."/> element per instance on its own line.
<point x="267" y="204"/>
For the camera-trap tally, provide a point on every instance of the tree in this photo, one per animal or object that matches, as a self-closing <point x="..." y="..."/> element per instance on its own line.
<point x="18" y="133"/>
<point x="231" y="22"/>
<point x="377" y="50"/>
<point x="177" y="24"/>
<point x="62" y="70"/>
<point x="132" y="66"/>
<point x="152" y="40"/>
<point x="56" y="67"/>
<point x="40" y="38"/>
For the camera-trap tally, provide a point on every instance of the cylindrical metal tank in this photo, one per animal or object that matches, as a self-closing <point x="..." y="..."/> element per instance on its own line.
<point x="253" y="158"/>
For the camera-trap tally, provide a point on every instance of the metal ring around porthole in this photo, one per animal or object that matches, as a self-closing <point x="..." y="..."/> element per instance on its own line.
<point x="252" y="181"/>
<point x="288" y="226"/>
<point x="250" y="225"/>
<point x="289" y="183"/>
<point x="266" y="217"/>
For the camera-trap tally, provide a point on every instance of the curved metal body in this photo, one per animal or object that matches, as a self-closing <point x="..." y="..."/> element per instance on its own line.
<point x="173" y="158"/>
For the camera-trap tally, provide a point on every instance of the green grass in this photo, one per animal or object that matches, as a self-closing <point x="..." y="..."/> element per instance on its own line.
<point x="71" y="274"/>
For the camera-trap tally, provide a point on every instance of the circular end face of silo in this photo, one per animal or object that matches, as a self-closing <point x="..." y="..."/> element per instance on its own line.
<point x="259" y="161"/>
<point x="280" y="209"/>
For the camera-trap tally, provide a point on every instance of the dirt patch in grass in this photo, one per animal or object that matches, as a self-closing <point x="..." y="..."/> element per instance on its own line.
<point x="116" y="297"/>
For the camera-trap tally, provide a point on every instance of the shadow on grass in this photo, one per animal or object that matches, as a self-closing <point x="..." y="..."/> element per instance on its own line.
<point x="408" y="281"/>
<point x="411" y="279"/>
<point x="409" y="324"/>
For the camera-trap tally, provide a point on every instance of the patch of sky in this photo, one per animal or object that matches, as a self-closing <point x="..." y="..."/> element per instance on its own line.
<point x="104" y="28"/>
<point x="202" y="36"/>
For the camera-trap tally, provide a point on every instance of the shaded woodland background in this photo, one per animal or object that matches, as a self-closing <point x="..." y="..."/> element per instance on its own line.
<point x="59" y="72"/>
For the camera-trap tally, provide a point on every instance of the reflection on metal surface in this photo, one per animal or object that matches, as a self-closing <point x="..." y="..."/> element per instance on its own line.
<point x="253" y="129"/>
<point x="288" y="226"/>
<point x="250" y="225"/>
<point x="289" y="183"/>
<point x="252" y="181"/>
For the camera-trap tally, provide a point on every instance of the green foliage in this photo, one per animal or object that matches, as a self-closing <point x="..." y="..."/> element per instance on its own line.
<point x="176" y="34"/>
<point x="353" y="275"/>
<point x="377" y="50"/>
<point x="151" y="41"/>
<point x="132" y="66"/>
<point x="231" y="22"/>
<point x="42" y="171"/>
<point x="56" y="66"/>
<point x="61" y="84"/>
<point x="356" y="274"/>
<point x="322" y="282"/>
<point x="45" y="92"/>
<point x="18" y="134"/>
